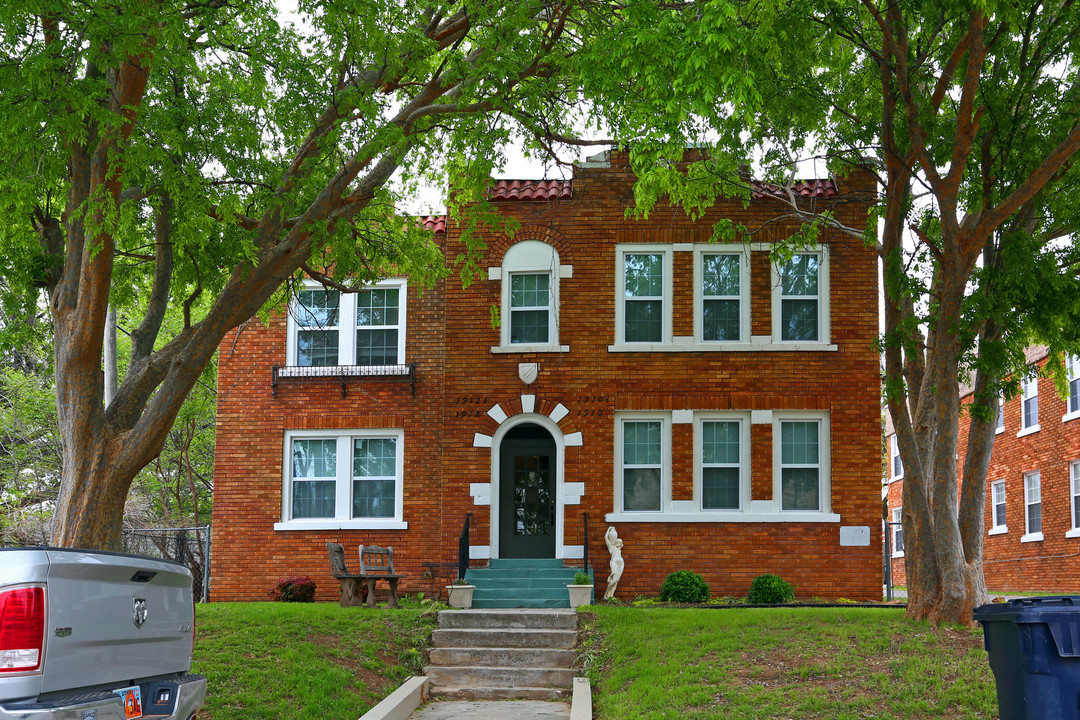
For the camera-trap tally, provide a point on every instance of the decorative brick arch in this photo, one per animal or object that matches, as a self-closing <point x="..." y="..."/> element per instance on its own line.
<point x="531" y="405"/>
<point x="533" y="231"/>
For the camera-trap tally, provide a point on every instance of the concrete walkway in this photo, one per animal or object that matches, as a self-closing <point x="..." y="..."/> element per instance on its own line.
<point x="493" y="710"/>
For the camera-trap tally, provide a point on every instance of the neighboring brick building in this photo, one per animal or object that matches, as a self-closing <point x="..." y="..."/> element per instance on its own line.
<point x="722" y="418"/>
<point x="1032" y="519"/>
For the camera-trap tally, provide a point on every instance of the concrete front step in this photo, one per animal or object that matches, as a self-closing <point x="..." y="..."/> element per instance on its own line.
<point x="522" y="619"/>
<point x="500" y="693"/>
<point x="504" y="657"/>
<point x="511" y="637"/>
<point x="509" y="677"/>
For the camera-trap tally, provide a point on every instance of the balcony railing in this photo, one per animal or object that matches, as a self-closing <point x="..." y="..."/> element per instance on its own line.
<point x="342" y="374"/>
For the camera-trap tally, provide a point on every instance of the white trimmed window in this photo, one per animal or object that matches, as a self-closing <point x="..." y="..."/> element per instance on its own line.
<point x="643" y="462"/>
<point x="1029" y="421"/>
<point x="1072" y="371"/>
<point x="1032" y="507"/>
<point x="1000" y="415"/>
<point x="801" y="462"/>
<point x="896" y="463"/>
<point x="1074" y="472"/>
<point x="801" y="298"/>
<point x="722" y="480"/>
<point x="530" y="275"/>
<point x="897" y="527"/>
<point x="721" y="296"/>
<point x="342" y="479"/>
<point x="328" y="328"/>
<point x="997" y="508"/>
<point x="643" y="295"/>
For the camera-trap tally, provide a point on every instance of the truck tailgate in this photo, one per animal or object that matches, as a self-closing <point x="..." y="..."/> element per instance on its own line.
<point x="115" y="618"/>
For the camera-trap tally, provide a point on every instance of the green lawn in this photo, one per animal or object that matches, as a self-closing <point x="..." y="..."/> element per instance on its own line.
<point x="808" y="664"/>
<point x="293" y="661"/>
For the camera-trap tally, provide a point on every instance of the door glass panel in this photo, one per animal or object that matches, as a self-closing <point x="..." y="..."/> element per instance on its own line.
<point x="532" y="495"/>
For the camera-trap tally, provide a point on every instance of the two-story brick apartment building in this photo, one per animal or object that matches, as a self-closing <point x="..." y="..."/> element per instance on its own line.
<point x="1032" y="519"/>
<point x="720" y="411"/>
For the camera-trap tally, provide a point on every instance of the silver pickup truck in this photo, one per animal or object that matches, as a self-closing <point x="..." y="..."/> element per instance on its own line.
<point x="95" y="636"/>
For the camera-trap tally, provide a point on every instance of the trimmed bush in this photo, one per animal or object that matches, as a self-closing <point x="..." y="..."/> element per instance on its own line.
<point x="683" y="586"/>
<point x="294" y="589"/>
<point x="770" y="590"/>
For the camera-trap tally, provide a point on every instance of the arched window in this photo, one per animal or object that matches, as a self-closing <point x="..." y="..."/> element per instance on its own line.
<point x="530" y="275"/>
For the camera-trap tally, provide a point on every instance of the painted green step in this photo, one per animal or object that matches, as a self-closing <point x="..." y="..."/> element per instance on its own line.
<point x="516" y="582"/>
<point x="525" y="562"/>
<point x="522" y="603"/>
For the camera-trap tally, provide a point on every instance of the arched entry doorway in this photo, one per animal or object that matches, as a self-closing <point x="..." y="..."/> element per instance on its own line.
<point x="528" y="464"/>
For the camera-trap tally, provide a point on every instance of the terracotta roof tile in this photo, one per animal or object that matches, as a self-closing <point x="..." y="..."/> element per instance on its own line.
<point x="531" y="190"/>
<point x="434" y="223"/>
<point x="801" y="188"/>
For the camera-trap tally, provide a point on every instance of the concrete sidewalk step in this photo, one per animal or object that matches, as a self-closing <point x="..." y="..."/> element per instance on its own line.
<point x="504" y="657"/>
<point x="493" y="710"/>
<point x="502" y="693"/>
<point x="558" y="619"/>
<point x="515" y="637"/>
<point x="508" y="677"/>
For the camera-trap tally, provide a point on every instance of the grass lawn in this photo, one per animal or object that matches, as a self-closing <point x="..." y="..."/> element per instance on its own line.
<point x="286" y="661"/>
<point x="819" y="663"/>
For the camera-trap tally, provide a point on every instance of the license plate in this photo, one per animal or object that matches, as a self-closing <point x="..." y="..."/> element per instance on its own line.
<point x="132" y="701"/>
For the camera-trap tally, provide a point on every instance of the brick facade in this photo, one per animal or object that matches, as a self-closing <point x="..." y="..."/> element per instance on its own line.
<point x="467" y="396"/>
<point x="1014" y="559"/>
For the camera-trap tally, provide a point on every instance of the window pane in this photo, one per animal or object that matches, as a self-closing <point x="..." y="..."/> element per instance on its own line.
<point x="373" y="498"/>
<point x="529" y="291"/>
<point x="1031" y="411"/>
<point x="1074" y="395"/>
<point x="314" y="458"/>
<point x="313" y="498"/>
<point x="1034" y="518"/>
<point x="799" y="489"/>
<point x="799" y="320"/>
<point x="720" y="275"/>
<point x="720" y="488"/>
<point x="720" y="320"/>
<point x="641" y="489"/>
<point x="799" y="276"/>
<point x="317" y="308"/>
<point x="720" y="442"/>
<point x="376" y="347"/>
<point x="529" y="326"/>
<point x="644" y="321"/>
<point x="317" y="348"/>
<point x="375" y="457"/>
<point x="377" y="307"/>
<point x="644" y="275"/>
<point x="798" y="443"/>
<point x="641" y="443"/>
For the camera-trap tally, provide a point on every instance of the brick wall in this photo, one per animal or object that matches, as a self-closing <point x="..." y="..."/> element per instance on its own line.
<point x="450" y="336"/>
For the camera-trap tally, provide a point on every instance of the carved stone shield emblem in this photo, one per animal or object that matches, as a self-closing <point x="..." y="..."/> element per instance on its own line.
<point x="528" y="372"/>
<point x="138" y="611"/>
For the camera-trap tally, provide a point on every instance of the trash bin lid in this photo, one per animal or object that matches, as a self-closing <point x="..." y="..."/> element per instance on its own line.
<point x="1061" y="615"/>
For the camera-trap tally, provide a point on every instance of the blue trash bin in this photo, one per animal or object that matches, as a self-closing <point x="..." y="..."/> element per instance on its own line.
<point x="1034" y="649"/>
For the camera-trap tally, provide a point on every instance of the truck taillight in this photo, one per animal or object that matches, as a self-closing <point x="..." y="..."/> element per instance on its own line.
<point x="22" y="629"/>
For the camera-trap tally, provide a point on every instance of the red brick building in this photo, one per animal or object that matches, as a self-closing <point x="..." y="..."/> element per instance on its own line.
<point x="1032" y="519"/>
<point x="720" y="411"/>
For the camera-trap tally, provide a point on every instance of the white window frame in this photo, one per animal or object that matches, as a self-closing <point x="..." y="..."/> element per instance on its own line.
<point x="347" y="327"/>
<point x="743" y="419"/>
<point x="894" y="456"/>
<point x="664" y="418"/>
<point x="700" y="254"/>
<point x="621" y="251"/>
<point x="823" y="464"/>
<point x="1030" y="393"/>
<point x="1074" y="498"/>
<point x="824" y="325"/>
<point x="1032" y="496"/>
<point x="1072" y="400"/>
<point x="897" y="516"/>
<point x="995" y="500"/>
<point x="530" y="257"/>
<point x="342" y="519"/>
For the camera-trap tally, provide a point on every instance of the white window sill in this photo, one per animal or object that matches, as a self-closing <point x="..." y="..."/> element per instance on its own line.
<point x="1070" y="416"/>
<point x="1028" y="431"/>
<point x="898" y="554"/>
<point x="341" y="370"/>
<point x="894" y="479"/>
<point x="722" y="517"/>
<point x="999" y="430"/>
<point x="998" y="530"/>
<point x="315" y="524"/>
<point x="527" y="348"/>
<point x="721" y="347"/>
<point x="1074" y="533"/>
<point x="1031" y="537"/>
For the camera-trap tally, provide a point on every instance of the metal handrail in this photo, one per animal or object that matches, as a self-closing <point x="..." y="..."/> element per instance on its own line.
<point x="463" y="548"/>
<point x="585" y="531"/>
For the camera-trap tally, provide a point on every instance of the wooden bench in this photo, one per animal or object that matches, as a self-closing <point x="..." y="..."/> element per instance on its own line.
<point x="376" y="563"/>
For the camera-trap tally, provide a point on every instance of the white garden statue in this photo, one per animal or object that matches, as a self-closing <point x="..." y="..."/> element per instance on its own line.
<point x="614" y="545"/>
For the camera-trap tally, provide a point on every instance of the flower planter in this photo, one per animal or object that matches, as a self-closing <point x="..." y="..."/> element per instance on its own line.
<point x="580" y="595"/>
<point x="460" y="596"/>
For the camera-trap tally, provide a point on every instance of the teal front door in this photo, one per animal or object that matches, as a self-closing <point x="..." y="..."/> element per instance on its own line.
<point x="527" y="504"/>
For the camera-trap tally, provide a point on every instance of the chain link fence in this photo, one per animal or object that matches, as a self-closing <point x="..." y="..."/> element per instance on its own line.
<point x="188" y="546"/>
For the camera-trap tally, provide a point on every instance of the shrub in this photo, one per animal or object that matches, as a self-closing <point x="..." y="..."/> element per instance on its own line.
<point x="684" y="586"/>
<point x="294" y="589"/>
<point x="770" y="590"/>
<point x="581" y="578"/>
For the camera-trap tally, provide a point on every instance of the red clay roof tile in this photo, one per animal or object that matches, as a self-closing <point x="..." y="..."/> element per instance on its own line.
<point x="531" y="190"/>
<point x="801" y="188"/>
<point x="434" y="223"/>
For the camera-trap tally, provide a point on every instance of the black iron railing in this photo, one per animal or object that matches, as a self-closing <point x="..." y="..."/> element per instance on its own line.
<point x="342" y="374"/>
<point x="463" y="548"/>
<point x="585" y="534"/>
